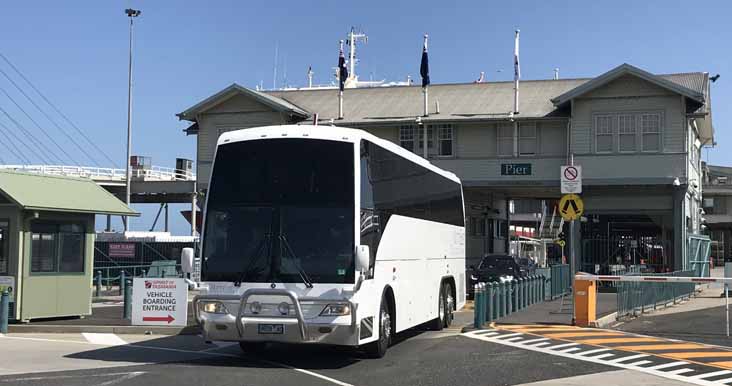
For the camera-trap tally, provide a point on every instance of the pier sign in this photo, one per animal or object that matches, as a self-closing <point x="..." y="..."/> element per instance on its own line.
<point x="159" y="302"/>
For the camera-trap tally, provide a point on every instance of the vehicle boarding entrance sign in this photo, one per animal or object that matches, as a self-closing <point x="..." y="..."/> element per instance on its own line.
<point x="571" y="177"/>
<point x="159" y="302"/>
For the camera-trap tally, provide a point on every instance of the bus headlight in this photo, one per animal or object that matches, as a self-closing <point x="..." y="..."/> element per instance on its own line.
<point x="336" y="309"/>
<point x="255" y="307"/>
<point x="284" y="308"/>
<point x="213" y="308"/>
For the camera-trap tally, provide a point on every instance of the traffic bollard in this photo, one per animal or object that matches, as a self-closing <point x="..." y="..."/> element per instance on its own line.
<point x="489" y="302"/>
<point x="128" y="300"/>
<point x="484" y="307"/>
<point x="4" y="312"/>
<point x="525" y="291"/>
<point x="122" y="282"/>
<point x="514" y="295"/>
<point x="542" y="288"/>
<point x="509" y="295"/>
<point x="494" y="300"/>
<point x="520" y="293"/>
<point x="99" y="283"/>
<point x="531" y="290"/>
<point x="500" y="300"/>
<point x="476" y="309"/>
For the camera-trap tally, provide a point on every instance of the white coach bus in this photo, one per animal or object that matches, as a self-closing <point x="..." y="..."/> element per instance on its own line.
<point x="327" y="235"/>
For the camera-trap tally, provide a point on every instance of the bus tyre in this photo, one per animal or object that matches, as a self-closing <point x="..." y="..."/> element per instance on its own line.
<point x="378" y="349"/>
<point x="449" y="305"/>
<point x="252" y="347"/>
<point x="438" y="323"/>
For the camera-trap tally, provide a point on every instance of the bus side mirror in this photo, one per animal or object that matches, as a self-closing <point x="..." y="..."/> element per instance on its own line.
<point x="186" y="261"/>
<point x="363" y="258"/>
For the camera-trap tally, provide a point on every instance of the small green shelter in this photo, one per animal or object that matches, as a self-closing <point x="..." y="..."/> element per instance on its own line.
<point x="47" y="241"/>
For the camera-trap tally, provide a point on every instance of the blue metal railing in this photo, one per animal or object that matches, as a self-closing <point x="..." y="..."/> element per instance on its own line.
<point x="638" y="297"/>
<point x="498" y="299"/>
<point x="115" y="276"/>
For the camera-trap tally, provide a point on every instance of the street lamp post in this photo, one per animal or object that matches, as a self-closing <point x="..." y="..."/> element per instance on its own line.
<point x="132" y="14"/>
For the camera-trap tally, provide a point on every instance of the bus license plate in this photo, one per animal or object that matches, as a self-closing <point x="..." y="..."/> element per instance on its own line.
<point x="271" y="328"/>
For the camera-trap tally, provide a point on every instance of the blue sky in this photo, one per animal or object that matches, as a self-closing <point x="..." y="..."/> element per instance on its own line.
<point x="76" y="53"/>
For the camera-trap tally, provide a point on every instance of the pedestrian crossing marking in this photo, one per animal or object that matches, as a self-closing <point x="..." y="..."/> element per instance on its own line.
<point x="562" y="335"/>
<point x="537" y="327"/>
<point x="617" y="340"/>
<point x="692" y="362"/>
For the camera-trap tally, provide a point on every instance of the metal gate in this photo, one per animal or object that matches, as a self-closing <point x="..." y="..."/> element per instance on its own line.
<point x="699" y="248"/>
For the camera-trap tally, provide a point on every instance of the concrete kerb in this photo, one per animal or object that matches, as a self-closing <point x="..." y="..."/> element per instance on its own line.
<point x="123" y="330"/>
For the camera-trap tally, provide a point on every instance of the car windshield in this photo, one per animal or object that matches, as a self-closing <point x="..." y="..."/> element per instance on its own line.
<point x="278" y="208"/>
<point x="502" y="264"/>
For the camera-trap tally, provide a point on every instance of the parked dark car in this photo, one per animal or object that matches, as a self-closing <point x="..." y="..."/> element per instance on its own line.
<point x="499" y="268"/>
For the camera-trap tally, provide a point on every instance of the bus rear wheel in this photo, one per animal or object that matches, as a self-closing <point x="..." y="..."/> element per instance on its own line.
<point x="438" y="323"/>
<point x="449" y="305"/>
<point x="378" y="349"/>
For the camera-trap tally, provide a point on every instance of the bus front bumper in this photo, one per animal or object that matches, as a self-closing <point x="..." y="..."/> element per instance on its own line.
<point x="249" y="328"/>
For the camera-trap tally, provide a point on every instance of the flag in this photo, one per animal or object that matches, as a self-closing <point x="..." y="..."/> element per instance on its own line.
<point x="516" y="66"/>
<point x="342" y="70"/>
<point x="424" y="67"/>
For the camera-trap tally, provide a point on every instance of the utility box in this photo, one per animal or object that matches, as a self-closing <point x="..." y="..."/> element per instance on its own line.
<point x="47" y="242"/>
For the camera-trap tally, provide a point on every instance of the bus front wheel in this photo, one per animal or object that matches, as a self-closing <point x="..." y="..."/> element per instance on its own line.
<point x="440" y="321"/>
<point x="378" y="349"/>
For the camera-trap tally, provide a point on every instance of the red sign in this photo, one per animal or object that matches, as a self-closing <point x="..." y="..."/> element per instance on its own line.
<point x="122" y="250"/>
<point x="570" y="173"/>
<point x="169" y="319"/>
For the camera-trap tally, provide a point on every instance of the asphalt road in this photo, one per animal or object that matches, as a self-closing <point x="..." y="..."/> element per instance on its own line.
<point x="419" y="358"/>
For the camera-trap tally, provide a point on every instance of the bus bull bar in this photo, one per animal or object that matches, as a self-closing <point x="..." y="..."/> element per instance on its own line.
<point x="244" y="297"/>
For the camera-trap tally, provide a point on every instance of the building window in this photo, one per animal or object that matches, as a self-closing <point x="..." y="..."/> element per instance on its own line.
<point x="604" y="134"/>
<point x="445" y="139"/>
<point x="651" y="130"/>
<point x="527" y="139"/>
<point x="57" y="247"/>
<point x="4" y="246"/>
<point x="721" y="180"/>
<point x="627" y="133"/>
<point x="505" y="139"/>
<point x="430" y="138"/>
<point x="406" y="137"/>
<point x="472" y="226"/>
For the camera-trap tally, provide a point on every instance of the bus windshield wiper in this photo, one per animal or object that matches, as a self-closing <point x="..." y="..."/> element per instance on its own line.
<point x="300" y="270"/>
<point x="264" y="245"/>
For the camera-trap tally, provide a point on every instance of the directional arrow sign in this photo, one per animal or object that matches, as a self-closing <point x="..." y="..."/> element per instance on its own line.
<point x="168" y="319"/>
<point x="159" y="302"/>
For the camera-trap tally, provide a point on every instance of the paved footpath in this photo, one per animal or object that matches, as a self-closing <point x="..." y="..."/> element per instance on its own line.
<point x="424" y="358"/>
<point x="683" y="361"/>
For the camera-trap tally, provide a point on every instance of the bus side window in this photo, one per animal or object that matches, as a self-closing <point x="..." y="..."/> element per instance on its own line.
<point x="370" y="225"/>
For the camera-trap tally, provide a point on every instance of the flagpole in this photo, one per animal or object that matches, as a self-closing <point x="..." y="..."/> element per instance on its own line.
<point x="340" y="87"/>
<point x="424" y="71"/>
<point x="516" y="74"/>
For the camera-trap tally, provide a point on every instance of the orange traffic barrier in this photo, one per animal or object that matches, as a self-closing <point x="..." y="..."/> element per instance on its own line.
<point x="585" y="302"/>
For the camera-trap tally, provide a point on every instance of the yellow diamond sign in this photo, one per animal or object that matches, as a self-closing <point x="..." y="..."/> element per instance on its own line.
<point x="571" y="207"/>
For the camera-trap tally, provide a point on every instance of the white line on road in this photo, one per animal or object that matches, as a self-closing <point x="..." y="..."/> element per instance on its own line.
<point x="679" y="371"/>
<point x="667" y="365"/>
<point x="124" y="378"/>
<point x="562" y="346"/>
<point x="593" y="351"/>
<point x="103" y="339"/>
<point x="508" y="335"/>
<point x="602" y="356"/>
<point x="515" y="338"/>
<point x="639" y="363"/>
<point x="571" y="349"/>
<point x="714" y="374"/>
<point x="623" y="359"/>
<point x="25" y="379"/>
<point x="530" y="341"/>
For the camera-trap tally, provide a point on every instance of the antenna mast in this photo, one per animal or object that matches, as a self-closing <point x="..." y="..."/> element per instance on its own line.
<point x="353" y="37"/>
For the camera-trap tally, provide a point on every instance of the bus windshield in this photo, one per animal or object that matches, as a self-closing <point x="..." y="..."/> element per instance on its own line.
<point x="281" y="210"/>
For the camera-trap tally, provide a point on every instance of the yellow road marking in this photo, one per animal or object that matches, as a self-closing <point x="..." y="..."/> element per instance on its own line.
<point x="617" y="340"/>
<point x="727" y="365"/>
<point x="700" y="354"/>
<point x="654" y="347"/>
<point x="538" y="327"/>
<point x="547" y="329"/>
<point x="561" y="335"/>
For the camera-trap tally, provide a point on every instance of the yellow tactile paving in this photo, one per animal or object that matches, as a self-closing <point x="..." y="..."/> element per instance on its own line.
<point x="564" y="335"/>
<point x="700" y="354"/>
<point x="617" y="340"/>
<point x="658" y="347"/>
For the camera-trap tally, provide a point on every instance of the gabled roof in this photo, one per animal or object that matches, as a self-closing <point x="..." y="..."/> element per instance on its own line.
<point x="689" y="85"/>
<point x="59" y="194"/>
<point x="272" y="101"/>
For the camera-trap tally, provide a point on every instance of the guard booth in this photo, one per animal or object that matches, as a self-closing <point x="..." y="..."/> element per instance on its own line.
<point x="47" y="242"/>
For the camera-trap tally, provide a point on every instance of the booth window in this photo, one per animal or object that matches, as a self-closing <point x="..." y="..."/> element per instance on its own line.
<point x="57" y="247"/>
<point x="4" y="246"/>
